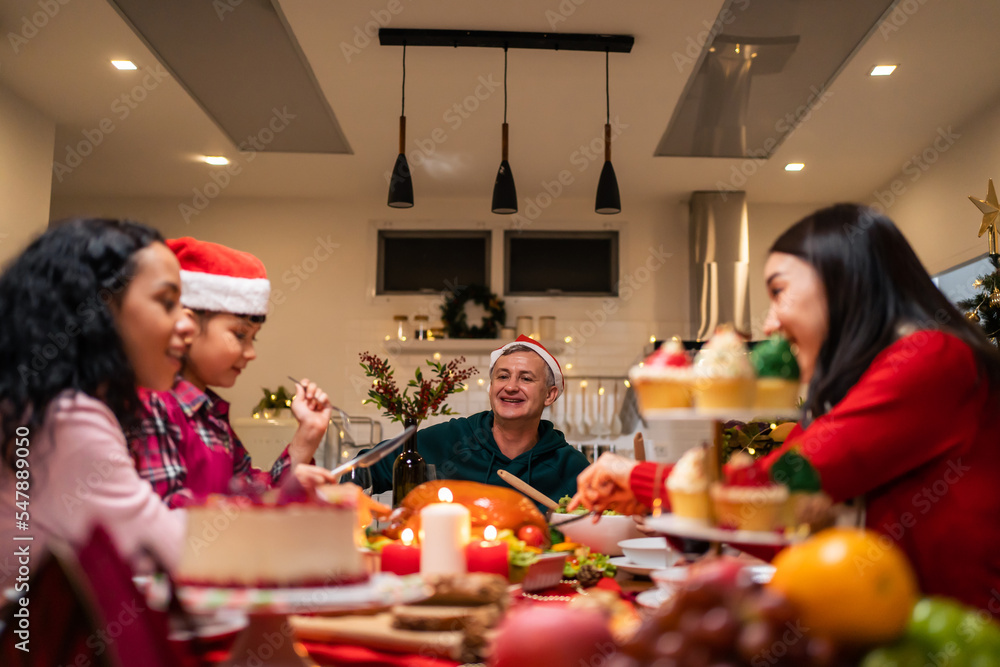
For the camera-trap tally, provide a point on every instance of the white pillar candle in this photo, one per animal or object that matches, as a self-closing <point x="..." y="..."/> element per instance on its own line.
<point x="444" y="529"/>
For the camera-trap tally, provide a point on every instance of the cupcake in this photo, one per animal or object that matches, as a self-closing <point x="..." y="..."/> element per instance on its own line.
<point x="804" y="485"/>
<point x="724" y="377"/>
<point x="687" y="486"/>
<point x="777" y="374"/>
<point x="748" y="499"/>
<point x="664" y="379"/>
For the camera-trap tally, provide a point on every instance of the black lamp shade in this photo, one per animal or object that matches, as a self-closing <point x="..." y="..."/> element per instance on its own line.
<point x="401" y="184"/>
<point x="504" y="192"/>
<point x="609" y="200"/>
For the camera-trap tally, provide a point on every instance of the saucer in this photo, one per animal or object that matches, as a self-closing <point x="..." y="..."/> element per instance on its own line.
<point x="623" y="563"/>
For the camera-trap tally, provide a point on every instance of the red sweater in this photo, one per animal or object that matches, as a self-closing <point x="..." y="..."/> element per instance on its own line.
<point x="919" y="437"/>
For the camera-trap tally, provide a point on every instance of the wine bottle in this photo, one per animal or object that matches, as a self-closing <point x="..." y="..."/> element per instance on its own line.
<point x="410" y="469"/>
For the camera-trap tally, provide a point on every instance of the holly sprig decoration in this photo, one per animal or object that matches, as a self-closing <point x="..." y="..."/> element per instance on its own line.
<point x="275" y="401"/>
<point x="430" y="392"/>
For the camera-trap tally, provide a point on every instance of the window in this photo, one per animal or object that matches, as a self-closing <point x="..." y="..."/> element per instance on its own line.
<point x="956" y="282"/>
<point x="561" y="263"/>
<point x="418" y="262"/>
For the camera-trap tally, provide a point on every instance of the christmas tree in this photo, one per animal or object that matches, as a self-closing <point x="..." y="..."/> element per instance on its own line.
<point x="984" y="306"/>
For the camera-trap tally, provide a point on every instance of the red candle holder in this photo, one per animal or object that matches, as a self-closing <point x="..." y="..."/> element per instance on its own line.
<point x="401" y="557"/>
<point x="489" y="555"/>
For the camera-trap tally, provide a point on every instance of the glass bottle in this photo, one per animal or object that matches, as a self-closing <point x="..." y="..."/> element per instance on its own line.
<point x="420" y="327"/>
<point x="400" y="325"/>
<point x="410" y="469"/>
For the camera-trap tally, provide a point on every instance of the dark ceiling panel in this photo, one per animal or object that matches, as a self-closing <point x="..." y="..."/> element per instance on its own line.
<point x="242" y="65"/>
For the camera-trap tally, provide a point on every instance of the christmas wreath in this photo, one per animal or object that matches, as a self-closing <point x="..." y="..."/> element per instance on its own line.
<point x="456" y="323"/>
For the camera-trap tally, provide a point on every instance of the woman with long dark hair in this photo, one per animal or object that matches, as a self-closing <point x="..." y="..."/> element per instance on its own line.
<point x="90" y="310"/>
<point x="903" y="407"/>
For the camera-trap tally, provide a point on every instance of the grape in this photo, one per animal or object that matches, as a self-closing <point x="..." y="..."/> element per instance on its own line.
<point x="820" y="651"/>
<point x="702" y="595"/>
<point x="696" y="656"/>
<point x="717" y="627"/>
<point x="712" y="623"/>
<point x="671" y="645"/>
<point x="773" y="608"/>
<point x="754" y="639"/>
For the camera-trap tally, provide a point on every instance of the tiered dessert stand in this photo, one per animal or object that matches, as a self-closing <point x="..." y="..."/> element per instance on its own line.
<point x="267" y="639"/>
<point x="669" y="524"/>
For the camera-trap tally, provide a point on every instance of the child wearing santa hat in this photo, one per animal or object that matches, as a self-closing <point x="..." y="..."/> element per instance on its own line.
<point x="185" y="445"/>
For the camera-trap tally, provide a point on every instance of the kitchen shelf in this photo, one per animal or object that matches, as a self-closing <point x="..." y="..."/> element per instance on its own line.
<point x="461" y="345"/>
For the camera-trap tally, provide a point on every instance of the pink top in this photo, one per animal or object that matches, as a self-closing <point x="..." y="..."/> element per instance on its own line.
<point x="81" y="473"/>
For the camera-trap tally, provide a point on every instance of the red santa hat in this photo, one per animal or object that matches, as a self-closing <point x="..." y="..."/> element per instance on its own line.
<point x="541" y="351"/>
<point x="220" y="279"/>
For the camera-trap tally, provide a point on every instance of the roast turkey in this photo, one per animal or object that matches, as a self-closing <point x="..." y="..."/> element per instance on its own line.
<point x="488" y="505"/>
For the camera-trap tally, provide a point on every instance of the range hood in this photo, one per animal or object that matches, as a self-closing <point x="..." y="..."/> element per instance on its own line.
<point x="764" y="66"/>
<point x="720" y="262"/>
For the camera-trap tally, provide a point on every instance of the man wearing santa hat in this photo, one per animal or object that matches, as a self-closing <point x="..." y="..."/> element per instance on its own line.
<point x="524" y="379"/>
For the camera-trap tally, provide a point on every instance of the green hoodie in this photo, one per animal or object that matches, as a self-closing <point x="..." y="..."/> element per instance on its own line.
<point x="464" y="448"/>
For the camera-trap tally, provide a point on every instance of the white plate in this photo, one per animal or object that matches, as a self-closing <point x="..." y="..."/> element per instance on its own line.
<point x="654" y="598"/>
<point x="623" y="563"/>
<point x="382" y="590"/>
<point x="212" y="626"/>
<point x="696" y="530"/>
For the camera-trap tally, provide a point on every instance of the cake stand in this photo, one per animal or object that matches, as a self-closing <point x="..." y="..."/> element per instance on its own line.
<point x="267" y="638"/>
<point x="669" y="524"/>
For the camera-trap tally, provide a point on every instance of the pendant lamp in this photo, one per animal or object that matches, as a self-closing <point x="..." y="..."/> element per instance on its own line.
<point x="504" y="192"/>
<point x="401" y="182"/>
<point x="608" y="200"/>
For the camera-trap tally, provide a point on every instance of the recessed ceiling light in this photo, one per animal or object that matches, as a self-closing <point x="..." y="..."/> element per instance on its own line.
<point x="794" y="166"/>
<point x="124" y="64"/>
<point x="883" y="70"/>
<point x="216" y="160"/>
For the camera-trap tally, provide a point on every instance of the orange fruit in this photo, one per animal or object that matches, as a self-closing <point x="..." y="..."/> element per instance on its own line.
<point x="851" y="585"/>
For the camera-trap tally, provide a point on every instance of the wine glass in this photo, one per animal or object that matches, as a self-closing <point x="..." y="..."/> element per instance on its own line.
<point x="361" y="477"/>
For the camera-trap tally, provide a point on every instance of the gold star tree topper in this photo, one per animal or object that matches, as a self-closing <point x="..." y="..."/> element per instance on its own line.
<point x="991" y="212"/>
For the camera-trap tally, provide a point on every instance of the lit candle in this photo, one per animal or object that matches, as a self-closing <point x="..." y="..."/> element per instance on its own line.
<point x="444" y="534"/>
<point x="488" y="555"/>
<point x="401" y="557"/>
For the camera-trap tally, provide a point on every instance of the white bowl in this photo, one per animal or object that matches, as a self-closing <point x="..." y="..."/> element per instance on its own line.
<point x="649" y="552"/>
<point x="670" y="579"/>
<point x="602" y="537"/>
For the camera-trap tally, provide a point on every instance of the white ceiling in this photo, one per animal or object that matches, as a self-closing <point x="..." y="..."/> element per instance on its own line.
<point x="858" y="139"/>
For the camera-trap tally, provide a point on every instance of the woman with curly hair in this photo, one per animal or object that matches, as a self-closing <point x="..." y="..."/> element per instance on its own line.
<point x="90" y="310"/>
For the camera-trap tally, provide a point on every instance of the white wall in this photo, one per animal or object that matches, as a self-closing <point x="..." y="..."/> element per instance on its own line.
<point x="328" y="316"/>
<point x="928" y="198"/>
<point x="27" y="140"/>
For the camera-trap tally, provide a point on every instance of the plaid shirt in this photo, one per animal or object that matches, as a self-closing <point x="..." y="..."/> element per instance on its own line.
<point x="187" y="449"/>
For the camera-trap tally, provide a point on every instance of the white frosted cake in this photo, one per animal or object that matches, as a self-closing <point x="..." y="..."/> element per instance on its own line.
<point x="233" y="542"/>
